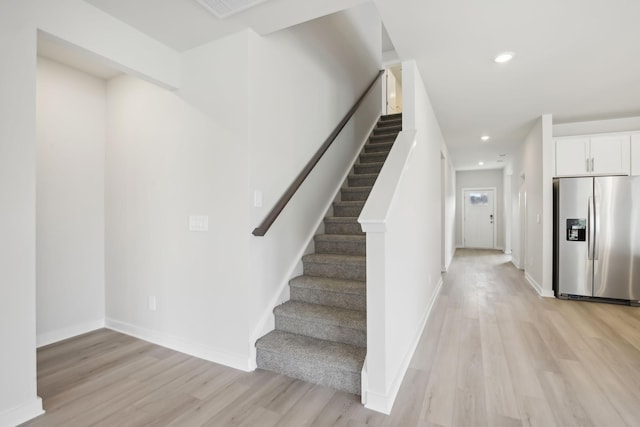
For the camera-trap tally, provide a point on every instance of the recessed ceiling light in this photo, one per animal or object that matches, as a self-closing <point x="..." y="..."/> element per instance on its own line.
<point x="480" y="163"/>
<point x="503" y="57"/>
<point x="484" y="137"/>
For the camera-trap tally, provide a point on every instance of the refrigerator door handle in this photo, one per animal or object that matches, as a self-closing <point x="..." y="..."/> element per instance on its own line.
<point x="590" y="229"/>
<point x="596" y="232"/>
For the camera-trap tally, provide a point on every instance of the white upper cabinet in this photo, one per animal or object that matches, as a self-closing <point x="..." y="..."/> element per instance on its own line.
<point x="593" y="155"/>
<point x="635" y="154"/>
<point x="571" y="156"/>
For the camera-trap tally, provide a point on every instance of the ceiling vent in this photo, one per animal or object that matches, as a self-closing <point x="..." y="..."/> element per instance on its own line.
<point x="226" y="8"/>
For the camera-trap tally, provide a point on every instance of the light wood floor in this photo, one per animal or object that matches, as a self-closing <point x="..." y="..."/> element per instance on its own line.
<point x="493" y="354"/>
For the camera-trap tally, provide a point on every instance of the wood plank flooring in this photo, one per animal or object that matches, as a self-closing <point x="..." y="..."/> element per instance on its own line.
<point x="493" y="354"/>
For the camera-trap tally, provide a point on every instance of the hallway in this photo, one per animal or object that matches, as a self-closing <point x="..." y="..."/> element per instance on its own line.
<point x="493" y="354"/>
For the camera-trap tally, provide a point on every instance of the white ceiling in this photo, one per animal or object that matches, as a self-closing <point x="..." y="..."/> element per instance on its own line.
<point x="185" y="24"/>
<point x="576" y="59"/>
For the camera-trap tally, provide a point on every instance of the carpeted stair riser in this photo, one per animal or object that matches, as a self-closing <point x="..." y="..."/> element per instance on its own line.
<point x="341" y="244"/>
<point x="355" y="194"/>
<point x="387" y="129"/>
<point x="331" y="324"/>
<point x="332" y="292"/>
<point x="342" y="225"/>
<point x="373" y="157"/>
<point x="335" y="266"/>
<point x="367" y="167"/>
<point x="376" y="139"/>
<point x="387" y="117"/>
<point x="347" y="208"/>
<point x="362" y="180"/>
<point x="331" y="364"/>
<point x="302" y="369"/>
<point x="395" y="125"/>
<point x="380" y="147"/>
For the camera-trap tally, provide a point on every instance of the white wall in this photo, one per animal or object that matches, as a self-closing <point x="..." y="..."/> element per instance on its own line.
<point x="449" y="210"/>
<point x="18" y="399"/>
<point x="172" y="155"/>
<point x="303" y="81"/>
<point x="532" y="169"/>
<point x="203" y="150"/>
<point x="71" y="132"/>
<point x="403" y="225"/>
<point x="481" y="179"/>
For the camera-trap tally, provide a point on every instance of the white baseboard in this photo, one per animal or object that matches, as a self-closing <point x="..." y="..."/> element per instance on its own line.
<point x="384" y="402"/>
<point x="22" y="413"/>
<point x="68" y="332"/>
<point x="536" y="286"/>
<point x="200" y="351"/>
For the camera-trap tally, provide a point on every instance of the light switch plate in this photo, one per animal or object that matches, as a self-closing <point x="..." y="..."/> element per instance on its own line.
<point x="257" y="199"/>
<point x="198" y="223"/>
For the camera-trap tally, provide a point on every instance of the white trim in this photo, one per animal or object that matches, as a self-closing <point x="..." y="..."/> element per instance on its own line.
<point x="68" y="332"/>
<point x="22" y="413"/>
<point x="495" y="214"/>
<point x="547" y="293"/>
<point x="384" y="402"/>
<point x="237" y="361"/>
<point x="515" y="263"/>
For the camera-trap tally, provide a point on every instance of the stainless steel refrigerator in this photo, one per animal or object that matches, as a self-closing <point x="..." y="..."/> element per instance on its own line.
<point x="597" y="238"/>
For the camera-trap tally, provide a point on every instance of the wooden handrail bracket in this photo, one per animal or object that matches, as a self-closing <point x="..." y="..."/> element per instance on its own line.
<point x="262" y="229"/>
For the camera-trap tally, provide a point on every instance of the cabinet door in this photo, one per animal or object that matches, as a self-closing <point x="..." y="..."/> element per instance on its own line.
<point x="571" y="156"/>
<point x="635" y="154"/>
<point x="610" y="154"/>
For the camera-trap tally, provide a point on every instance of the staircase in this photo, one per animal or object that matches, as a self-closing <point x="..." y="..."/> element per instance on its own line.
<point x="321" y="332"/>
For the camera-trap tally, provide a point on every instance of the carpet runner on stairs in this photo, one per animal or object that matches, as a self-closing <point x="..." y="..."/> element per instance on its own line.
<point x="321" y="333"/>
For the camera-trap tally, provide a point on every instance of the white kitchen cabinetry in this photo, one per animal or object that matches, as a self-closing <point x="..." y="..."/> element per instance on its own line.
<point x="593" y="155"/>
<point x="635" y="154"/>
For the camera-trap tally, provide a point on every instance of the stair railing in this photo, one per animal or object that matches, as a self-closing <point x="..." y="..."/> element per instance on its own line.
<point x="262" y="229"/>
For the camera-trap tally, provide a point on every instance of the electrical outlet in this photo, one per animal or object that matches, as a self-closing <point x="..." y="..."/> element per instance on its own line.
<point x="152" y="303"/>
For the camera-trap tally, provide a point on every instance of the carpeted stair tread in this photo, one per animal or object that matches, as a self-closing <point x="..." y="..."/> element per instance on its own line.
<point x="389" y="124"/>
<point x="355" y="287"/>
<point x="387" y="129"/>
<point x="341" y="244"/>
<point x="373" y="157"/>
<point x="376" y="139"/>
<point x="362" y="179"/>
<point x="340" y="238"/>
<point x="336" y="316"/>
<point x="373" y="167"/>
<point x="348" y="208"/>
<point x="355" y="194"/>
<point x="320" y="352"/>
<point x="378" y="147"/>
<point x="342" y="225"/>
<point x="335" y="259"/>
<point x="342" y="293"/>
<point x="350" y="267"/>
<point x="394" y="116"/>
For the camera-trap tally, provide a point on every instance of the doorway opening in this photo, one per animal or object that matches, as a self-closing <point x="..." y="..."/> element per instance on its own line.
<point x="392" y="88"/>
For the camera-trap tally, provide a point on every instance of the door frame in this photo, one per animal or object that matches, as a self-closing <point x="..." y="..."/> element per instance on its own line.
<point x="495" y="213"/>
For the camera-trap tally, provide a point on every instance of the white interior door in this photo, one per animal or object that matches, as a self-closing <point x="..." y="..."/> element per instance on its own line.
<point x="479" y="218"/>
